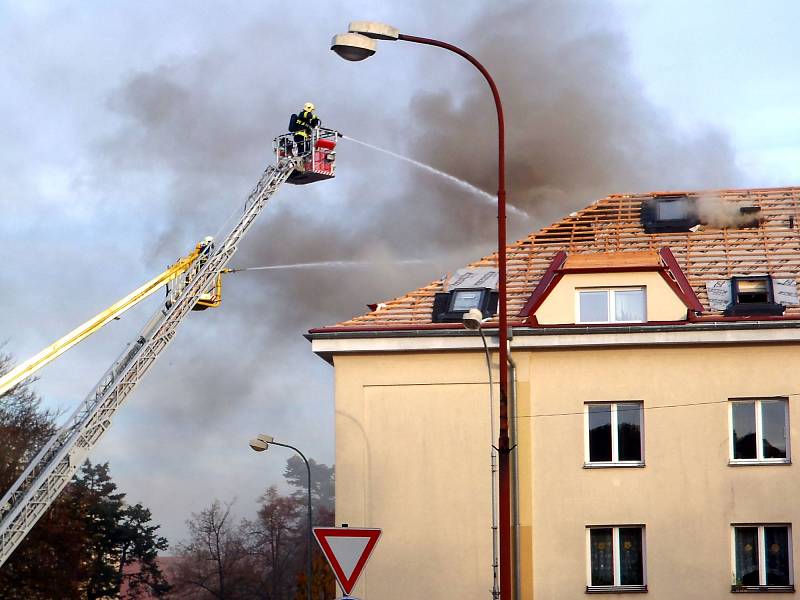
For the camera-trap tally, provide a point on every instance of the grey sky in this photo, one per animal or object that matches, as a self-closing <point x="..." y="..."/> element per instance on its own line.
<point x="131" y="130"/>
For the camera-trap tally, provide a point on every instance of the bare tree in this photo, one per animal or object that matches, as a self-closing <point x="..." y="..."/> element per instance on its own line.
<point x="276" y="542"/>
<point x="215" y="561"/>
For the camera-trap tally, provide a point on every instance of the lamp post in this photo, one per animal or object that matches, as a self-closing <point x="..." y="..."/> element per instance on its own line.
<point x="473" y="320"/>
<point x="260" y="443"/>
<point x="360" y="43"/>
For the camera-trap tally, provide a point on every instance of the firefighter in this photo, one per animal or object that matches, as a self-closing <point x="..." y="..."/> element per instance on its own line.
<point x="301" y="125"/>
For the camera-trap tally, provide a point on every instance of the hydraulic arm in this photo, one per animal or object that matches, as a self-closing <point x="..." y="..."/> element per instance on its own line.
<point x="55" y="464"/>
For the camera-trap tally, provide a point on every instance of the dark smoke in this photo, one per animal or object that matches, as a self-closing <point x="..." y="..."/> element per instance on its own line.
<point x="199" y="131"/>
<point x="579" y="126"/>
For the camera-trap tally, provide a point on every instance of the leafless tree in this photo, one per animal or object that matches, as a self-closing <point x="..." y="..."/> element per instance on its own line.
<point x="215" y="561"/>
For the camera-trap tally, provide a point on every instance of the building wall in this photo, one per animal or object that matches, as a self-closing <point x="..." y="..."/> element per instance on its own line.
<point x="662" y="303"/>
<point x="687" y="496"/>
<point x="412" y="458"/>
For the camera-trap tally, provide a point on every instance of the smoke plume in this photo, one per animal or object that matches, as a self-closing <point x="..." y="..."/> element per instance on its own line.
<point x="195" y="133"/>
<point x="578" y="123"/>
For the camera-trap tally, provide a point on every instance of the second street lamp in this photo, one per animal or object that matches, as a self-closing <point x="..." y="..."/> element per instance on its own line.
<point x="260" y="443"/>
<point x="358" y="44"/>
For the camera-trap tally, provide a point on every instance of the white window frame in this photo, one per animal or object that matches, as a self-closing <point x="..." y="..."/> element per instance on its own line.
<point x="759" y="459"/>
<point x="616" y="587"/>
<point x="762" y="555"/>
<point x="614" y="462"/>
<point x="611" y="291"/>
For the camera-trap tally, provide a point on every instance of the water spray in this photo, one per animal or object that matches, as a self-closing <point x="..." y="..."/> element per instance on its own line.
<point x="465" y="185"/>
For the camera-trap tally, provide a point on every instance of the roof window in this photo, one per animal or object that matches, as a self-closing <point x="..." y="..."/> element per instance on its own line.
<point x="666" y="214"/>
<point x="753" y="295"/>
<point x="467" y="289"/>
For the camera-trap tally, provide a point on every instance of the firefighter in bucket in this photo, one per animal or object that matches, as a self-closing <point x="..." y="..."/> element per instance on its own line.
<point x="302" y="125"/>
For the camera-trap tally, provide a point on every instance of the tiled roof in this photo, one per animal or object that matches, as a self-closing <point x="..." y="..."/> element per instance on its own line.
<point x="613" y="224"/>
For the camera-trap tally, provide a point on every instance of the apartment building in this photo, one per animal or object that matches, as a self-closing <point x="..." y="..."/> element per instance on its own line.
<point x="656" y="340"/>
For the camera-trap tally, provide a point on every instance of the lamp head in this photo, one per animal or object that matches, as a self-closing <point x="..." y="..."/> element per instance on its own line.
<point x="374" y="30"/>
<point x="353" y="46"/>
<point x="473" y="319"/>
<point x="261" y="442"/>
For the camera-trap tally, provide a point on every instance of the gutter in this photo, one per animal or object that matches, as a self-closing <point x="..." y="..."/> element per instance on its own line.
<point x="458" y="330"/>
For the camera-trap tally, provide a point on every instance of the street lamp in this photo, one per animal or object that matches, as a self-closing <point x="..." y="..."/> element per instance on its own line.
<point x="260" y="443"/>
<point x="473" y="320"/>
<point x="356" y="45"/>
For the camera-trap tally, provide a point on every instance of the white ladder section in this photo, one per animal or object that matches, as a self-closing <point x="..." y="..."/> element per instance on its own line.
<point x="55" y="464"/>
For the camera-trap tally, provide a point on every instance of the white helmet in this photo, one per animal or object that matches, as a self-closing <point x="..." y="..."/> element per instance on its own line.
<point x="308" y="107"/>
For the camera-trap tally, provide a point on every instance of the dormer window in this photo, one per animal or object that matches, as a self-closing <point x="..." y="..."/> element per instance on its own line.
<point x="753" y="295"/>
<point x="468" y="288"/>
<point x="450" y="307"/>
<point x="612" y="305"/>
<point x="669" y="213"/>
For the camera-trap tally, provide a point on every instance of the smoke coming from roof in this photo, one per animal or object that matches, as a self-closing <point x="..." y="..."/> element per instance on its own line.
<point x="195" y="133"/>
<point x="718" y="213"/>
<point x="579" y="125"/>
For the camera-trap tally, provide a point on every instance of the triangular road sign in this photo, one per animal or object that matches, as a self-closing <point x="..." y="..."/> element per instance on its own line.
<point x="347" y="550"/>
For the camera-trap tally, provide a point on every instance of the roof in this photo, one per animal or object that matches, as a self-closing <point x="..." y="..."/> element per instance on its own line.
<point x="613" y="225"/>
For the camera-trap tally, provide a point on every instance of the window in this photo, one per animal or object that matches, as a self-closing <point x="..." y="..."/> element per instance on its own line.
<point x="449" y="307"/>
<point x="672" y="209"/>
<point x="669" y="213"/>
<point x="616" y="305"/>
<point x="760" y="431"/>
<point x="463" y="300"/>
<point x="752" y="290"/>
<point x="753" y="295"/>
<point x="762" y="558"/>
<point x="614" y="434"/>
<point x="616" y="559"/>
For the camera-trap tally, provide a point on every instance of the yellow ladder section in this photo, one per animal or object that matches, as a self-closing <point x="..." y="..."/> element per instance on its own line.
<point x="56" y="349"/>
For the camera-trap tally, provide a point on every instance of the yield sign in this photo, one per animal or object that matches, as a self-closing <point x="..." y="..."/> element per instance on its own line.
<point x="347" y="550"/>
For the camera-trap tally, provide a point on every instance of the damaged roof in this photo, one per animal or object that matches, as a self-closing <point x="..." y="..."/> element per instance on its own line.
<point x="766" y="245"/>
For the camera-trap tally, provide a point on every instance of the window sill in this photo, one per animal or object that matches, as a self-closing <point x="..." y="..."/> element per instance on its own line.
<point x="614" y="465"/>
<point x="775" y="589"/>
<point x="616" y="589"/>
<point x="759" y="463"/>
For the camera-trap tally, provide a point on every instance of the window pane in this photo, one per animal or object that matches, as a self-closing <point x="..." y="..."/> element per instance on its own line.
<point x="593" y="306"/>
<point x="773" y="428"/>
<point x="631" y="566"/>
<point x="776" y="545"/>
<point x="599" y="432"/>
<point x="466" y="300"/>
<point x="747" y="556"/>
<point x="629" y="305"/>
<point x="752" y="290"/>
<point x="672" y="210"/>
<point x="602" y="556"/>
<point x="629" y="428"/>
<point x="744" y="429"/>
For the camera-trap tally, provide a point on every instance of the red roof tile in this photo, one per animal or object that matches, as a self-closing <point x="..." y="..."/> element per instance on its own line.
<point x="613" y="224"/>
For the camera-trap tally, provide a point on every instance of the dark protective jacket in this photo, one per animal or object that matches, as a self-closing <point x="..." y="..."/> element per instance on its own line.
<point x="303" y="122"/>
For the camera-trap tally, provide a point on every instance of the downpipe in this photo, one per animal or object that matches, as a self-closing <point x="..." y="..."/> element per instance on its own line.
<point x="515" y="525"/>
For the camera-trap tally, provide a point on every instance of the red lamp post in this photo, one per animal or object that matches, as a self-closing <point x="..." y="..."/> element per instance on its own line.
<point x="358" y="45"/>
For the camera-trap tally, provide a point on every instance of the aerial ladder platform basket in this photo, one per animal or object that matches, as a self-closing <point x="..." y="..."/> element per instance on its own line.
<point x="193" y="283"/>
<point x="318" y="162"/>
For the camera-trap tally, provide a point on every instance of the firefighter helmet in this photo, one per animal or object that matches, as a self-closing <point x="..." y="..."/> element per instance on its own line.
<point x="308" y="107"/>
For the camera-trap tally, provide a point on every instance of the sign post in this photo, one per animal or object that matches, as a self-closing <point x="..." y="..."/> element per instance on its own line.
<point x="347" y="550"/>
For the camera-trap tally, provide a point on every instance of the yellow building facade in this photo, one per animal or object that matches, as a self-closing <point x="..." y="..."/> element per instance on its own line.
<point x="654" y="430"/>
